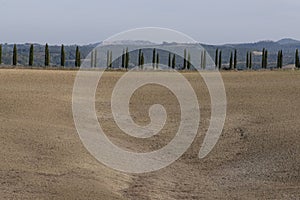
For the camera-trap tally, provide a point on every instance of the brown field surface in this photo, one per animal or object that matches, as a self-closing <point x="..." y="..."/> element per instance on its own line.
<point x="257" y="156"/>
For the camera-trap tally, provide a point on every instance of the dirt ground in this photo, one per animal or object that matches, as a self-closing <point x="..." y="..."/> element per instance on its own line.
<point x="257" y="156"/>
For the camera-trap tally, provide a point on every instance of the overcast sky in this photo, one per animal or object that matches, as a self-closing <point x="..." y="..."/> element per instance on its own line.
<point x="89" y="21"/>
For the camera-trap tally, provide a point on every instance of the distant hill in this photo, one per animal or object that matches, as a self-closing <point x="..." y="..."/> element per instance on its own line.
<point x="288" y="41"/>
<point x="287" y="45"/>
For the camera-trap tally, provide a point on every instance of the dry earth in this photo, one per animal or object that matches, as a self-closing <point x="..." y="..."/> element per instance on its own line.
<point x="257" y="156"/>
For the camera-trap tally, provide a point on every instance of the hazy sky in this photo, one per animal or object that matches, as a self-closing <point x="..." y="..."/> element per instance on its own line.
<point x="213" y="22"/>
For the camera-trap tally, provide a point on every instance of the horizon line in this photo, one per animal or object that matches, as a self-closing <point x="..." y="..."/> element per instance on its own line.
<point x="94" y="43"/>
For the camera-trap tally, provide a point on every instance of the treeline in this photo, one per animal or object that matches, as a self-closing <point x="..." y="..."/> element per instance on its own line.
<point x="35" y="55"/>
<point x="156" y="59"/>
<point x="47" y="56"/>
<point x="232" y="65"/>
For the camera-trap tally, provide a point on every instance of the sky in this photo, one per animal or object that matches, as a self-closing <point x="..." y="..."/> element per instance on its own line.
<point x="90" y="21"/>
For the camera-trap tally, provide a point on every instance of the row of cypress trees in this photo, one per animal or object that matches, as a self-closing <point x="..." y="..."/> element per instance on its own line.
<point x="232" y="59"/>
<point x="264" y="60"/>
<point x="47" y="56"/>
<point x="279" y="59"/>
<point x="155" y="58"/>
<point x="187" y="59"/>
<point x="297" y="63"/>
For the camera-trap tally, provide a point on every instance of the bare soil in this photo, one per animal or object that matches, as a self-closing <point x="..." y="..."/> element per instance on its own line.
<point x="257" y="156"/>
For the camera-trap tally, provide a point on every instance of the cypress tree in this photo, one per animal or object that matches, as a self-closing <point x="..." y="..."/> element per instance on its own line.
<point x="154" y="58"/>
<point x="76" y="54"/>
<point x="92" y="59"/>
<point x="263" y="58"/>
<point x="0" y="54"/>
<point x="127" y="59"/>
<point x="297" y="62"/>
<point x="95" y="58"/>
<point x="77" y="58"/>
<point x="247" y="60"/>
<point x="235" y="59"/>
<point x="62" y="56"/>
<point x="250" y="60"/>
<point x="204" y="59"/>
<point x="231" y="61"/>
<point x="201" y="60"/>
<point x="174" y="62"/>
<point x="123" y="59"/>
<point x="110" y="59"/>
<point x="188" y="65"/>
<point x="157" y="61"/>
<point x="220" y="60"/>
<point x="142" y="60"/>
<point x="30" y="63"/>
<point x="216" y="57"/>
<point x="107" y="59"/>
<point x="278" y="59"/>
<point x="15" y="55"/>
<point x="169" y="63"/>
<point x="266" y="59"/>
<point x="185" y="59"/>
<point x="47" y="55"/>
<point x="281" y="59"/>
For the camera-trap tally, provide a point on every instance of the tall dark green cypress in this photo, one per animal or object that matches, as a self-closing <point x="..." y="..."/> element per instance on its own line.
<point x="174" y="62"/>
<point x="127" y="58"/>
<point x="250" y="60"/>
<point x="266" y="59"/>
<point x="278" y="60"/>
<point x="111" y="60"/>
<point x="247" y="60"/>
<point x="0" y="54"/>
<point x="216" y="57"/>
<point x="157" y="61"/>
<point x="62" y="56"/>
<point x="203" y="59"/>
<point x="140" y="58"/>
<point x="220" y="60"/>
<point x="142" y="61"/>
<point x="92" y="59"/>
<point x="95" y="58"/>
<point x="231" y="61"/>
<point x="264" y="62"/>
<point x="263" y="58"/>
<point x="15" y="55"/>
<point x="235" y="59"/>
<point x="169" y="62"/>
<point x="123" y="59"/>
<point x="297" y="61"/>
<point x="76" y="54"/>
<point x="77" y="57"/>
<point x="185" y="59"/>
<point x="281" y="59"/>
<point x="107" y="58"/>
<point x="30" y="62"/>
<point x="47" y="56"/>
<point x="154" y="58"/>
<point x="188" y="65"/>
